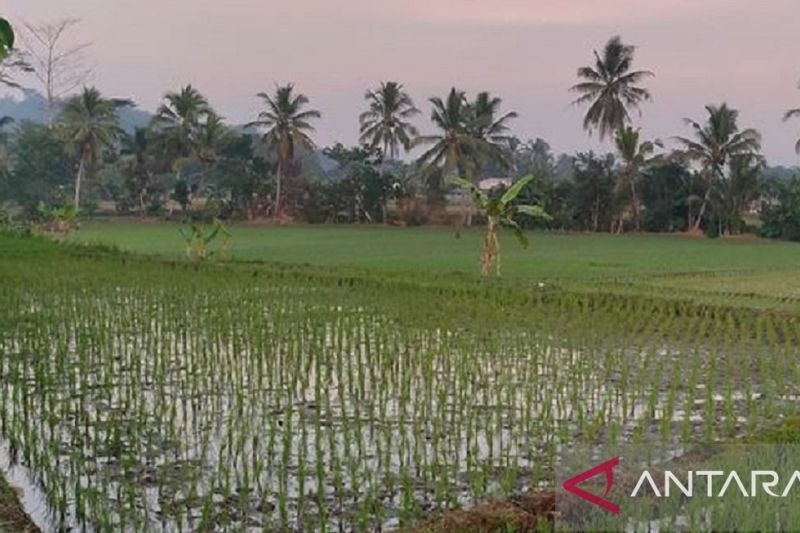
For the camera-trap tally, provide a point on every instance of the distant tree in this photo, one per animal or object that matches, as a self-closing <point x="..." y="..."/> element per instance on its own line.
<point x="385" y="124"/>
<point x="533" y="157"/>
<point x="491" y="129"/>
<point x="182" y="194"/>
<point x="211" y="133"/>
<point x="89" y="123"/>
<point x="287" y="124"/>
<point x="610" y="87"/>
<point x="454" y="148"/>
<point x="177" y="121"/>
<point x="781" y="217"/>
<point x="472" y="136"/>
<point x="176" y="131"/>
<point x="713" y="146"/>
<point x="500" y="210"/>
<point x="365" y="190"/>
<point x="42" y="169"/>
<point x="736" y="192"/>
<point x="593" y="191"/>
<point x="138" y="167"/>
<point x="635" y="155"/>
<point x="794" y="113"/>
<point x="59" y="66"/>
<point x="239" y="174"/>
<point x="671" y="194"/>
<point x="5" y="149"/>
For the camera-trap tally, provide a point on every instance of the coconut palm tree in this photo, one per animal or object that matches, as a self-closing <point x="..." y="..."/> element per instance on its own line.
<point x="177" y="119"/>
<point x="287" y="125"/>
<point x="635" y="156"/>
<point x="611" y="88"/>
<point x="454" y="149"/>
<point x="487" y="124"/>
<point x="736" y="192"/>
<point x="794" y="113"/>
<point x="499" y="211"/>
<point x="715" y="143"/>
<point x="136" y="151"/>
<point x="385" y="124"/>
<point x="89" y="123"/>
<point x="211" y="133"/>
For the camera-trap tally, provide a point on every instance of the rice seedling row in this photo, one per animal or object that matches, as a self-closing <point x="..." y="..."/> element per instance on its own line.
<point x="179" y="398"/>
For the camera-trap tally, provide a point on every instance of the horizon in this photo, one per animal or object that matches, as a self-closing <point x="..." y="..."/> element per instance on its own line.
<point x="503" y="47"/>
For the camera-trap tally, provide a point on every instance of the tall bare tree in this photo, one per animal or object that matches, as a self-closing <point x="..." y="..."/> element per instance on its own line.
<point x="59" y="65"/>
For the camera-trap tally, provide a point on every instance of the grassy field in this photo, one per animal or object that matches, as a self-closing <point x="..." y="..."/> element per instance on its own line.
<point x="358" y="378"/>
<point x="754" y="271"/>
<point x="156" y="395"/>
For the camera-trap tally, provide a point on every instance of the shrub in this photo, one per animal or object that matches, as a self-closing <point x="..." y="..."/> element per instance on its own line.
<point x="781" y="217"/>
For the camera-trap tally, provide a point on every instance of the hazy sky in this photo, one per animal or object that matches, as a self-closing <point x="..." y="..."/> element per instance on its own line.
<point x="745" y="52"/>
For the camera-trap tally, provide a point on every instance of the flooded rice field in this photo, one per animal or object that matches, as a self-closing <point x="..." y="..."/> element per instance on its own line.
<point x="172" y="403"/>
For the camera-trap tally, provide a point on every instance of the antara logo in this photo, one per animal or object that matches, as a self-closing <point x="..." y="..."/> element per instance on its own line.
<point x="606" y="468"/>
<point x="761" y="481"/>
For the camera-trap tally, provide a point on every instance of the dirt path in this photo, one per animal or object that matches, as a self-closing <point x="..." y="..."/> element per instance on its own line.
<point x="12" y="518"/>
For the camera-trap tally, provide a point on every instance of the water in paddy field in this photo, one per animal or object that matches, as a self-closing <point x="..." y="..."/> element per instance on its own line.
<point x="162" y="410"/>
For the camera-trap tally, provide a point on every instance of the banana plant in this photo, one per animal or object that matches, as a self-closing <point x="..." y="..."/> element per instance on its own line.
<point x="499" y="211"/>
<point x="6" y="38"/>
<point x="198" y="242"/>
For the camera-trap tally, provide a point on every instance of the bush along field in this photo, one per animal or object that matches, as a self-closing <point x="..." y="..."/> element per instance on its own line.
<point x="182" y="397"/>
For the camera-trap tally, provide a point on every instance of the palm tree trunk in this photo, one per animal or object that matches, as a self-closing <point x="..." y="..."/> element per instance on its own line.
<point x="470" y="208"/>
<point x="635" y="203"/>
<point x="596" y="212"/>
<point x="496" y="249"/>
<point x="702" y="211"/>
<point x="713" y="173"/>
<point x="383" y="159"/>
<point x="278" y="179"/>
<point x="78" y="179"/>
<point x="381" y="171"/>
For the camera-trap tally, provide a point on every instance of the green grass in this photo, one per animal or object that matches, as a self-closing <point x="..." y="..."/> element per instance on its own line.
<point x="760" y="272"/>
<point x="389" y="341"/>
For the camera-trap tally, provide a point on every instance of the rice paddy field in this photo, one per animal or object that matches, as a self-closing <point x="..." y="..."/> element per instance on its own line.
<point x="379" y="385"/>
<point x="744" y="271"/>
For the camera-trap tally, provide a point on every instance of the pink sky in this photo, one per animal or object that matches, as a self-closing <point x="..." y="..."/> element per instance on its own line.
<point x="526" y="51"/>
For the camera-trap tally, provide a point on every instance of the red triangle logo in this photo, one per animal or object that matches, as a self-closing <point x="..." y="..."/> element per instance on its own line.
<point x="607" y="468"/>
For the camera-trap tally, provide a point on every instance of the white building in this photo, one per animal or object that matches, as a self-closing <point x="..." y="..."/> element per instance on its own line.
<point x="487" y="184"/>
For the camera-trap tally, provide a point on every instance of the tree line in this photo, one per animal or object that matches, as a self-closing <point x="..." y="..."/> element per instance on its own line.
<point x="712" y="178"/>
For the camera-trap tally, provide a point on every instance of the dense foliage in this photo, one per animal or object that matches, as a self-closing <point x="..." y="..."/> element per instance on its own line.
<point x="189" y="161"/>
<point x="781" y="215"/>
